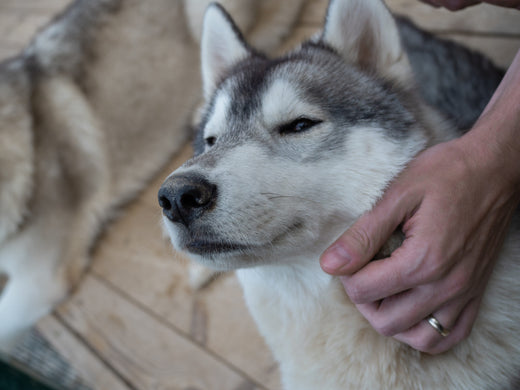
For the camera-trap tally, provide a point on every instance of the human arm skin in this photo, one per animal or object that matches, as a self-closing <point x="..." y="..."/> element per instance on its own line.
<point x="454" y="5"/>
<point x="454" y="203"/>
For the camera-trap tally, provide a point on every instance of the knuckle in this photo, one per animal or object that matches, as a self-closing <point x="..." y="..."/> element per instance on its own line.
<point x="427" y="266"/>
<point x="425" y="343"/>
<point x="465" y="334"/>
<point x="360" y="238"/>
<point x="435" y="267"/>
<point x="462" y="334"/>
<point x="458" y="284"/>
<point x="416" y="265"/>
<point x="385" y="330"/>
<point x="354" y="292"/>
<point x="382" y="327"/>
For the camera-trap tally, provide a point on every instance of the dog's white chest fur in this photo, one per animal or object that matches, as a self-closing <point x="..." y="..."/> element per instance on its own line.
<point x="316" y="334"/>
<point x="321" y="341"/>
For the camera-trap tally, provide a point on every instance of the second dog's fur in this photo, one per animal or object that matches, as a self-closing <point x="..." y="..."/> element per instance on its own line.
<point x="89" y="111"/>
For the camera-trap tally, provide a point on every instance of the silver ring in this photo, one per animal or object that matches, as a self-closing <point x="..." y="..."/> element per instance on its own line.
<point x="437" y="326"/>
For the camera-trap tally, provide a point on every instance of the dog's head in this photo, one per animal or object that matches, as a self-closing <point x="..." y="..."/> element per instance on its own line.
<point x="16" y="147"/>
<point x="291" y="150"/>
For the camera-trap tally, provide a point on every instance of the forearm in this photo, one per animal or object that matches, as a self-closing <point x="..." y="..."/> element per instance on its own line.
<point x="495" y="138"/>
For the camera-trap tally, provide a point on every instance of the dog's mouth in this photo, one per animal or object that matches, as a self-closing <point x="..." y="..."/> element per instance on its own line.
<point x="205" y="248"/>
<point x="209" y="245"/>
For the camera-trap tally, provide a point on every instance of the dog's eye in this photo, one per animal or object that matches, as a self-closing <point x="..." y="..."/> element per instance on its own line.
<point x="210" y="141"/>
<point x="298" y="126"/>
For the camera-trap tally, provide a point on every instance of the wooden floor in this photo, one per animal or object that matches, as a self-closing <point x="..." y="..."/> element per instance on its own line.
<point x="134" y="323"/>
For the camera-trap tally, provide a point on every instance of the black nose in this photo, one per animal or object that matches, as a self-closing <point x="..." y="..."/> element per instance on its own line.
<point x="185" y="198"/>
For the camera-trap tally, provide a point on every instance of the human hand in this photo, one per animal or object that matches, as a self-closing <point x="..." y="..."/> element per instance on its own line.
<point x="453" y="203"/>
<point x="454" y="5"/>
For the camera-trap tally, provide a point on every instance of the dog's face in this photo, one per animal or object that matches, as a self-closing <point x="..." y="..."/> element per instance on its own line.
<point x="16" y="148"/>
<point x="290" y="151"/>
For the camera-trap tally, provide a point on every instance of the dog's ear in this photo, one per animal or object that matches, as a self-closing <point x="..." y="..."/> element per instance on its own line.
<point x="365" y="33"/>
<point x="222" y="46"/>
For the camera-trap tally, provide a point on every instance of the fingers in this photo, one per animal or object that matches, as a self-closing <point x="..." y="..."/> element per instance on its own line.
<point x="456" y="317"/>
<point x="396" y="314"/>
<point x="384" y="278"/>
<point x="426" y="338"/>
<point x="360" y="243"/>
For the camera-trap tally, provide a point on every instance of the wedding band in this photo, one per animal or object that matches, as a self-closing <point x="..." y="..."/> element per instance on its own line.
<point x="437" y="326"/>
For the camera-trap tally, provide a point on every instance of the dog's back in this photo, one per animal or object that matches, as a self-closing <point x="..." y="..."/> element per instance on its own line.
<point x="455" y="80"/>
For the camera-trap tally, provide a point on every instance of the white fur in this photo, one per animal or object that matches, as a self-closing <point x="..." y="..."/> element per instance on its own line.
<point x="217" y="123"/>
<point x="30" y="260"/>
<point x="366" y="33"/>
<point x="219" y="48"/>
<point x="16" y="154"/>
<point x="282" y="101"/>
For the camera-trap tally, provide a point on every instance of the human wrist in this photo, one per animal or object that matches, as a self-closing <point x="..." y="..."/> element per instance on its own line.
<point x="495" y="137"/>
<point x="492" y="150"/>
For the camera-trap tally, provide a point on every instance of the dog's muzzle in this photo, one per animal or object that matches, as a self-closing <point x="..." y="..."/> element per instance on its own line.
<point x="185" y="198"/>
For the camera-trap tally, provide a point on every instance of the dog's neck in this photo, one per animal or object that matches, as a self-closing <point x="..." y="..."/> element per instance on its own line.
<point x="304" y="278"/>
<point x="301" y="276"/>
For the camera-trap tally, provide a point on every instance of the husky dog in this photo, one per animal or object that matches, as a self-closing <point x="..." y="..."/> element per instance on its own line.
<point x="291" y="151"/>
<point x="95" y="105"/>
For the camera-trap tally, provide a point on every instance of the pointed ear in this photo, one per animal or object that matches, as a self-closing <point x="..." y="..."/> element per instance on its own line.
<point x="365" y="33"/>
<point x="222" y="46"/>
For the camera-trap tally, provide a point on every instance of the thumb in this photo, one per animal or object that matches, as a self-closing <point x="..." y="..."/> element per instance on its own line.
<point x="361" y="242"/>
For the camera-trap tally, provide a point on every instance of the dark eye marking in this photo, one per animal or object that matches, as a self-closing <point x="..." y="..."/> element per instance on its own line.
<point x="210" y="141"/>
<point x="298" y="125"/>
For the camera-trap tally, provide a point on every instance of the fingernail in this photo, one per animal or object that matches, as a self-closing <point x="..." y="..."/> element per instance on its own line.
<point x="335" y="259"/>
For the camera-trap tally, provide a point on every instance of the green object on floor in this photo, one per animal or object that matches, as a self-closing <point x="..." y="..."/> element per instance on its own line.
<point x="14" y="379"/>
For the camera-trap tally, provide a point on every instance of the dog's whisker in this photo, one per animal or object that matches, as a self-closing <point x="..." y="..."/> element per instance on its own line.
<point x="274" y="196"/>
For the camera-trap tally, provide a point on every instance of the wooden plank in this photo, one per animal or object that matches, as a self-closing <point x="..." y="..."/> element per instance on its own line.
<point x="231" y="332"/>
<point x="134" y="256"/>
<point x="143" y="350"/>
<point x="86" y="364"/>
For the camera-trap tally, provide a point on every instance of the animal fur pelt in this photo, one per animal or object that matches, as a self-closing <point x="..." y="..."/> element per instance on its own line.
<point x="89" y="111"/>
